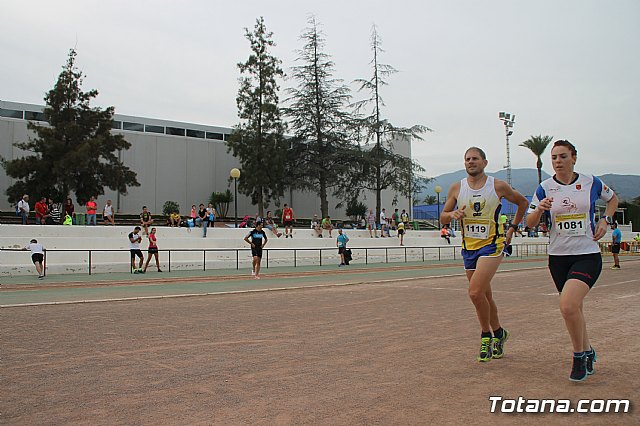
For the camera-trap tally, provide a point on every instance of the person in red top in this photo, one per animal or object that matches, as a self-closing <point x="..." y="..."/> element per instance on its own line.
<point x="153" y="250"/>
<point x="92" y="206"/>
<point x="287" y="220"/>
<point x="42" y="211"/>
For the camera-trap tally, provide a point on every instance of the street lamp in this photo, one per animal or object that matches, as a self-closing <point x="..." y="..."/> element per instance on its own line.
<point x="508" y="120"/>
<point x="235" y="174"/>
<point x="438" y="189"/>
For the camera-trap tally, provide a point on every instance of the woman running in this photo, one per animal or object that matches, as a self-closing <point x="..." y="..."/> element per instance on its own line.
<point x="567" y="201"/>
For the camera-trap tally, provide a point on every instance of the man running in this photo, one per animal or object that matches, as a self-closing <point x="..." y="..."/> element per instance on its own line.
<point x="478" y="198"/>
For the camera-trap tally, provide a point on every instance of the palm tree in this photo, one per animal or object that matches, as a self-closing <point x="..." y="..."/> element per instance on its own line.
<point x="537" y="145"/>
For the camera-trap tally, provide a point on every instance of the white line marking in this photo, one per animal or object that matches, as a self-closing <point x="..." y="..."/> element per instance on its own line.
<point x="260" y="290"/>
<point x="618" y="283"/>
<point x="628" y="295"/>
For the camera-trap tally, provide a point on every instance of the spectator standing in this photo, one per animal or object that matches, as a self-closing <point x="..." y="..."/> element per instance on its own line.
<point x="23" y="209"/>
<point x="42" y="212"/>
<point x="211" y="213"/>
<point x="383" y="223"/>
<point x="37" y="256"/>
<point x="404" y="217"/>
<point x="395" y="219"/>
<point x="108" y="215"/>
<point x="69" y="210"/>
<point x="146" y="219"/>
<point x="371" y="224"/>
<point x="134" y="247"/>
<point x="326" y="224"/>
<point x="257" y="242"/>
<point x="287" y="220"/>
<point x="616" y="239"/>
<point x="203" y="220"/>
<point x="92" y="207"/>
<point x="153" y="251"/>
<point x="341" y="243"/>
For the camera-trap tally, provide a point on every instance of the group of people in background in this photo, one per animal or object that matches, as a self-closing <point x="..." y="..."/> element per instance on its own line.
<point x="49" y="212"/>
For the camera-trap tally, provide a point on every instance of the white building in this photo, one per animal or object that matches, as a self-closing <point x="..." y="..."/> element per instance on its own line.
<point x="182" y="162"/>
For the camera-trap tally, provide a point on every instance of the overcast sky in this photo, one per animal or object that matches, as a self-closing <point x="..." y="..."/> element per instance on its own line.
<point x="566" y="68"/>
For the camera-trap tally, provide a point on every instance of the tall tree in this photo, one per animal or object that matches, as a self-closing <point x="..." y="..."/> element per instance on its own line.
<point x="384" y="168"/>
<point x="537" y="145"/>
<point x="258" y="140"/>
<point x="76" y="151"/>
<point x="323" y="146"/>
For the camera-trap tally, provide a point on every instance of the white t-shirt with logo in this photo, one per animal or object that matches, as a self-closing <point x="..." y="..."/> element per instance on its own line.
<point x="571" y="217"/>
<point x="108" y="210"/>
<point x="137" y="238"/>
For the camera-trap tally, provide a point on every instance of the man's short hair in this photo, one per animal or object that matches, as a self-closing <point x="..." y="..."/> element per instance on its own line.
<point x="144" y="207"/>
<point x="475" y="148"/>
<point x="137" y="228"/>
<point x="34" y="241"/>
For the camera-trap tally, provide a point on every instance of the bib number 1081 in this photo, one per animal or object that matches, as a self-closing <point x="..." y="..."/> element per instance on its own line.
<point x="566" y="225"/>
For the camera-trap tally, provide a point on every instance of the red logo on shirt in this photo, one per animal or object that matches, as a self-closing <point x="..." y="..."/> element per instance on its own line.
<point x="578" y="186"/>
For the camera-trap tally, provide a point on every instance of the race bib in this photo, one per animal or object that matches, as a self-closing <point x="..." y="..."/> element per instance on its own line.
<point x="477" y="228"/>
<point x="571" y="224"/>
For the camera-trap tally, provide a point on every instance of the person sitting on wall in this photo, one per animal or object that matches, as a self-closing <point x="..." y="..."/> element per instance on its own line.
<point x="315" y="225"/>
<point x="174" y="219"/>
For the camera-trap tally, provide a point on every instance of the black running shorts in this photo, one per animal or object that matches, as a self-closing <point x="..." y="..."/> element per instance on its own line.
<point x="37" y="258"/>
<point x="153" y="250"/>
<point x="583" y="267"/>
<point x="615" y="248"/>
<point x="256" y="251"/>
<point x="136" y="252"/>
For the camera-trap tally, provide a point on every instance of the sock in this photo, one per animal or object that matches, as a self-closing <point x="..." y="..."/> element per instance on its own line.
<point x="498" y="333"/>
<point x="578" y="354"/>
<point x="589" y="352"/>
<point x="485" y="334"/>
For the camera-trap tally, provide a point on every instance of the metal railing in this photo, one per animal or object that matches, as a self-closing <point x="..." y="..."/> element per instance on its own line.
<point x="389" y="254"/>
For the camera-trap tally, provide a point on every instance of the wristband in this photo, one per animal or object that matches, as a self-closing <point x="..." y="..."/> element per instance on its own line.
<point x="607" y="219"/>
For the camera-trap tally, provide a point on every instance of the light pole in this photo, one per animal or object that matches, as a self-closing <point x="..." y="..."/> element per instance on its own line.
<point x="235" y="174"/>
<point x="508" y="120"/>
<point x="438" y="189"/>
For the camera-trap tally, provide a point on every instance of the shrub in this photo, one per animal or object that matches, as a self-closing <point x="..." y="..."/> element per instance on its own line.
<point x="356" y="209"/>
<point x="220" y="201"/>
<point x="170" y="207"/>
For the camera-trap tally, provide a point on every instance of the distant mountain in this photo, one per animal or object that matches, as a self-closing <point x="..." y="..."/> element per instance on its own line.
<point x="526" y="181"/>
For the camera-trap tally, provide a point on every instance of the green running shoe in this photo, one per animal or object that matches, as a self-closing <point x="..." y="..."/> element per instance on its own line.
<point x="485" y="350"/>
<point x="498" y="344"/>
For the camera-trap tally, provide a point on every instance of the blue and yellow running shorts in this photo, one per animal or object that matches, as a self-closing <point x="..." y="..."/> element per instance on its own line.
<point x="471" y="256"/>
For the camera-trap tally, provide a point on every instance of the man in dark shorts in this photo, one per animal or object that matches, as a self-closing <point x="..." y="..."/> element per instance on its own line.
<point x="258" y="241"/>
<point x="146" y="220"/>
<point x="37" y="256"/>
<point x="287" y="220"/>
<point x="134" y="246"/>
<point x="616" y="239"/>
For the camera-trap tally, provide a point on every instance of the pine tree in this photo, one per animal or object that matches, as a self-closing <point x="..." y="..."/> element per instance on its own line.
<point x="258" y="140"/>
<point x="383" y="168"/>
<point x="76" y="151"/>
<point x="323" y="145"/>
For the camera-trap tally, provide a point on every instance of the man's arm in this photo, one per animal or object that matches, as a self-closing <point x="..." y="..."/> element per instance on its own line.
<point x="448" y="214"/>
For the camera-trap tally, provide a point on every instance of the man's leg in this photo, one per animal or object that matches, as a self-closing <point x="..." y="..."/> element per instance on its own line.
<point x="256" y="263"/>
<point x="39" y="268"/>
<point x="141" y="260"/>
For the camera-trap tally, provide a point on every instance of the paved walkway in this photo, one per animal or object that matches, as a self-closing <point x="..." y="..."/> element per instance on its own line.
<point x="57" y="289"/>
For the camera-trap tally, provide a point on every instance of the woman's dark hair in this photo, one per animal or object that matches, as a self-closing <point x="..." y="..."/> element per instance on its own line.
<point x="567" y="144"/>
